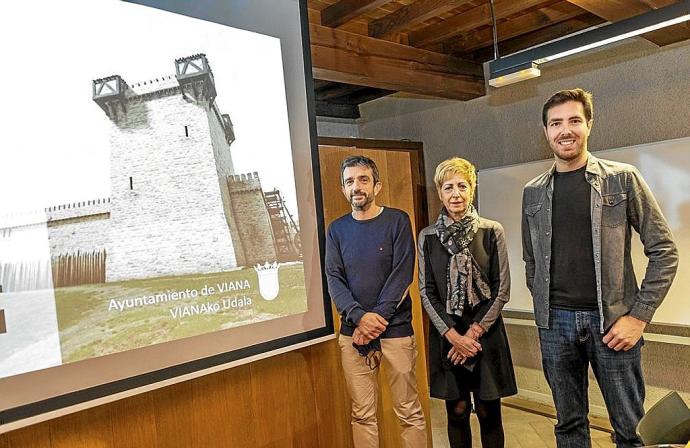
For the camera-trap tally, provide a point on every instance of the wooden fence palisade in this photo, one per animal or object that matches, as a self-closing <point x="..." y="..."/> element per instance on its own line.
<point x="81" y="268"/>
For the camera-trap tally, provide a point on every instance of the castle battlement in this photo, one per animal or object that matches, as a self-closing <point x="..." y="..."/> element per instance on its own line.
<point x="193" y="79"/>
<point x="238" y="183"/>
<point x="155" y="85"/>
<point x="78" y="209"/>
<point x="243" y="177"/>
<point x="198" y="59"/>
<point x="55" y="213"/>
<point x="109" y="86"/>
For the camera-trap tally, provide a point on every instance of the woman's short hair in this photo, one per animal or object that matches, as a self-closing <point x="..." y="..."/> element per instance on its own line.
<point x="453" y="166"/>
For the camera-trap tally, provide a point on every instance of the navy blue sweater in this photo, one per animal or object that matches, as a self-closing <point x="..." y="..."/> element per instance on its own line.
<point x="369" y="266"/>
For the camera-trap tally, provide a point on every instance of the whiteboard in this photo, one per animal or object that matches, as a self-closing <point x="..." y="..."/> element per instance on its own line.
<point x="666" y="168"/>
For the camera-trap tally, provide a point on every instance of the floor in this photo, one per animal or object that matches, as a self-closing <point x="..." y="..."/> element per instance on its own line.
<point x="522" y="429"/>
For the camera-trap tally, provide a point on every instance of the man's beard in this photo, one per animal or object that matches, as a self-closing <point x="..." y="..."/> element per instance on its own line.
<point x="361" y="206"/>
<point x="568" y="156"/>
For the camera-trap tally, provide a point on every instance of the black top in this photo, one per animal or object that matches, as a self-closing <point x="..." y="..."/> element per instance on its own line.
<point x="573" y="280"/>
<point x="492" y="376"/>
<point x="369" y="267"/>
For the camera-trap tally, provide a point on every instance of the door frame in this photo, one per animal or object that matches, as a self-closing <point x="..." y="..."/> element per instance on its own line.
<point x="416" y="150"/>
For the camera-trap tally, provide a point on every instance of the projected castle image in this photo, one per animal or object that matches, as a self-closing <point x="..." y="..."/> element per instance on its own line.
<point x="177" y="206"/>
<point x="82" y="280"/>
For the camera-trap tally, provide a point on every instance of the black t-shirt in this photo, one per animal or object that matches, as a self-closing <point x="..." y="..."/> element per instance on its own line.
<point x="573" y="280"/>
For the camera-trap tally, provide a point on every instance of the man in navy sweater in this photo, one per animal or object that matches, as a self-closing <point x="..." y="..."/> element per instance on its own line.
<point x="370" y="257"/>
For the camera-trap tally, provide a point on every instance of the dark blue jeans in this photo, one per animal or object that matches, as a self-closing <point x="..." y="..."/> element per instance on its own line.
<point x="568" y="346"/>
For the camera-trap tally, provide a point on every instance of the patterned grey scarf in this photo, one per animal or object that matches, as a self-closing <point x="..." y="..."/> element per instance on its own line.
<point x="463" y="276"/>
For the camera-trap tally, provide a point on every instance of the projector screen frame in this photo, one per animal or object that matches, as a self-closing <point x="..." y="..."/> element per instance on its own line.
<point x="35" y="412"/>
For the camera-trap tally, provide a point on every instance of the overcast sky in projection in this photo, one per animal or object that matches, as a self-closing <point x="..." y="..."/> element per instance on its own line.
<point x="55" y="147"/>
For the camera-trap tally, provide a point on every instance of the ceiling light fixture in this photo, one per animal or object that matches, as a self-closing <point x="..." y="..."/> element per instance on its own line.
<point x="517" y="74"/>
<point x="524" y="65"/>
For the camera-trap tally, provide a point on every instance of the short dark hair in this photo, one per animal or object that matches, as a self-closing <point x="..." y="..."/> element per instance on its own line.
<point x="579" y="95"/>
<point x="359" y="161"/>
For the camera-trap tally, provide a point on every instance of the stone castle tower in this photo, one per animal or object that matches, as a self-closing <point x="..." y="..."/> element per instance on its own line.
<point x="177" y="206"/>
<point x="248" y="200"/>
<point x="170" y="209"/>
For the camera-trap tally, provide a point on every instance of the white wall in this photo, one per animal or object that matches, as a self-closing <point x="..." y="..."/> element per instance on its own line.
<point x="337" y="127"/>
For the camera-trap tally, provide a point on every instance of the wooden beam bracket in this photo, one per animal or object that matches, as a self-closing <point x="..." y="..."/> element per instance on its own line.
<point x="350" y="58"/>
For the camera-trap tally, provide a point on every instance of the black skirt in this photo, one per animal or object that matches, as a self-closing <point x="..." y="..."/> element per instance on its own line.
<point x="492" y="376"/>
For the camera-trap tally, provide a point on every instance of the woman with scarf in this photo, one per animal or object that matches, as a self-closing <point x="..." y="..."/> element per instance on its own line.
<point x="464" y="283"/>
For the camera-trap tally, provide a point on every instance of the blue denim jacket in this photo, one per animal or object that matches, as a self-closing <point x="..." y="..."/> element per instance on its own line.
<point x="620" y="199"/>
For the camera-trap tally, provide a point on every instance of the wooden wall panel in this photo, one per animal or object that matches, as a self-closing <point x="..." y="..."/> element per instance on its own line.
<point x="172" y="409"/>
<point x="91" y="428"/>
<point x="283" y="403"/>
<point x="332" y="403"/>
<point x="297" y="399"/>
<point x="38" y="436"/>
<point x="137" y="414"/>
<point x="304" y="423"/>
<point x="221" y="413"/>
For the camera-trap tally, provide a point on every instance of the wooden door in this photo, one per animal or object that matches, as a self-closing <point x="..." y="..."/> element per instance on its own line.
<point x="401" y="172"/>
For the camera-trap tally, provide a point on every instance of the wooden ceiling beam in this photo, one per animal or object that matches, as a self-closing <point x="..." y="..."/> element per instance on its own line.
<point x="541" y="36"/>
<point x="468" y="20"/>
<point x="412" y="14"/>
<point x="345" y="10"/>
<point x="367" y="94"/>
<point x="324" y="109"/>
<point x="615" y="10"/>
<point x="358" y="95"/>
<point x="612" y="10"/>
<point x="351" y="58"/>
<point x="321" y="84"/>
<point x="510" y="28"/>
<point x="336" y="91"/>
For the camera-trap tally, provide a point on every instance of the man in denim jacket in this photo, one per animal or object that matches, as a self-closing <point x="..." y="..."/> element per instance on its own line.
<point x="576" y="229"/>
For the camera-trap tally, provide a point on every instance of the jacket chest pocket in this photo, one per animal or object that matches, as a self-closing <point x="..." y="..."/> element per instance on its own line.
<point x="533" y="211"/>
<point x="614" y="209"/>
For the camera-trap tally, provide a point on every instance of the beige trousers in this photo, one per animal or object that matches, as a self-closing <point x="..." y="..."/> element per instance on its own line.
<point x="399" y="356"/>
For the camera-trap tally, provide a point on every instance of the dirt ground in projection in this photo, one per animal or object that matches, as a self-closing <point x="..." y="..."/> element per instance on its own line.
<point x="96" y="320"/>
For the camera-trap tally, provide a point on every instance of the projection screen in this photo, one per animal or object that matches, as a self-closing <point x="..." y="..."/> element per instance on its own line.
<point x="159" y="218"/>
